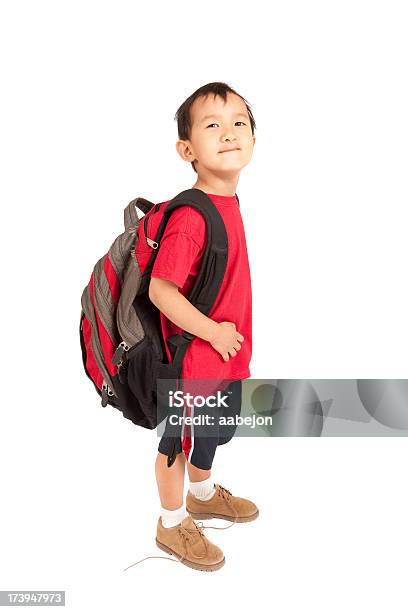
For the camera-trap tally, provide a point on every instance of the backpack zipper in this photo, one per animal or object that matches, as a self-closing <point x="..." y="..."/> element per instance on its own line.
<point x="117" y="358"/>
<point x="105" y="392"/>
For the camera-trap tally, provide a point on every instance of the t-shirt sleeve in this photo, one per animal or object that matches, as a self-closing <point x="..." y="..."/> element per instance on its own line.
<point x="181" y="245"/>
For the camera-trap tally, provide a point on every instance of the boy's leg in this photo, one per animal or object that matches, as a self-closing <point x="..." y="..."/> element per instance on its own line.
<point x="195" y="550"/>
<point x="199" y="466"/>
<point x="219" y="503"/>
<point x="170" y="481"/>
<point x="200" y="462"/>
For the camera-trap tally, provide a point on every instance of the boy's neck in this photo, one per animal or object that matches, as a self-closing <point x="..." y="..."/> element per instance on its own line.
<point x="217" y="187"/>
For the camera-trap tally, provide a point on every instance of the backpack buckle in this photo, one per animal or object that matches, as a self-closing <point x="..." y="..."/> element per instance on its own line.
<point x="179" y="340"/>
<point x="178" y="345"/>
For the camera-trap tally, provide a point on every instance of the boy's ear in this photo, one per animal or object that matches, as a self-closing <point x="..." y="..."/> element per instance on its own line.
<point x="184" y="150"/>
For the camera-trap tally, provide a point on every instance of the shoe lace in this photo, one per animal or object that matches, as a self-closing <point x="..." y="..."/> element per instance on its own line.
<point x="184" y="533"/>
<point x="199" y="527"/>
<point x="225" y="494"/>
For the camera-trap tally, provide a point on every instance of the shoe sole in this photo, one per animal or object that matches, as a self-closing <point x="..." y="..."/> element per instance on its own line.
<point x="239" y="519"/>
<point x="196" y="566"/>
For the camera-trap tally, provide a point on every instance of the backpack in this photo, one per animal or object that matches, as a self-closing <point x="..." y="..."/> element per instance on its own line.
<point x="123" y="349"/>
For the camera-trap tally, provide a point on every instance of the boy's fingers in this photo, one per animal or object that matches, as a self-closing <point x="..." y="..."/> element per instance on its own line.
<point x="226" y="356"/>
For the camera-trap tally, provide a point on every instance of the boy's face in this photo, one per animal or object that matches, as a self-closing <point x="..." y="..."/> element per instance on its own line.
<point x="215" y="126"/>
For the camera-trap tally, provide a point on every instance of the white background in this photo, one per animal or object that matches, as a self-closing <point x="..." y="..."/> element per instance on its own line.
<point x="89" y="93"/>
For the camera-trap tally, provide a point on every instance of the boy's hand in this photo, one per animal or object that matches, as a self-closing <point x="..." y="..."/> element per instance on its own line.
<point x="226" y="340"/>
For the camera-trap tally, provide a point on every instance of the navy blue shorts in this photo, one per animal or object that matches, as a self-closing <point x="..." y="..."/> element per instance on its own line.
<point x="200" y="450"/>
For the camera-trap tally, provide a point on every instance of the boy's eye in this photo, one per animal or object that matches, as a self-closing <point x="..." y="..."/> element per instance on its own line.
<point x="217" y="123"/>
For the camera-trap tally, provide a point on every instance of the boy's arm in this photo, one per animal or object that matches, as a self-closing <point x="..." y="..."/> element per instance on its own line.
<point x="223" y="336"/>
<point x="166" y="297"/>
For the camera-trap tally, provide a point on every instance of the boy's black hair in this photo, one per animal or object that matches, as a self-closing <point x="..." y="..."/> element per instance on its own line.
<point x="182" y="115"/>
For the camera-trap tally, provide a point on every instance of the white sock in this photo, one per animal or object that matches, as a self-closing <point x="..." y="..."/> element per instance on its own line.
<point x="204" y="489"/>
<point x="171" y="518"/>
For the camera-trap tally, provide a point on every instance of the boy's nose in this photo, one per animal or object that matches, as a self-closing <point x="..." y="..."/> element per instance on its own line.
<point x="229" y="140"/>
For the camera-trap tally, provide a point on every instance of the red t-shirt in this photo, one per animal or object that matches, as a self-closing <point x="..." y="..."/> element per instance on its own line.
<point x="179" y="259"/>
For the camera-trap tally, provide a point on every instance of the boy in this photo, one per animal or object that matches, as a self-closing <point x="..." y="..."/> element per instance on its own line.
<point x="216" y="135"/>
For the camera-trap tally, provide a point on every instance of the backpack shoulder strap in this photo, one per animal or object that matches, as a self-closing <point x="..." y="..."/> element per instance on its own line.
<point x="214" y="262"/>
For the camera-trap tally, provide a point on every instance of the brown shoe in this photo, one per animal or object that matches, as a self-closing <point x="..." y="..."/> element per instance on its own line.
<point x="222" y="505"/>
<point x="187" y="542"/>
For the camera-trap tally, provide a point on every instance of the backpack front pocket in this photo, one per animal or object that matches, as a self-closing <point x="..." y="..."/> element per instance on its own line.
<point x="143" y="364"/>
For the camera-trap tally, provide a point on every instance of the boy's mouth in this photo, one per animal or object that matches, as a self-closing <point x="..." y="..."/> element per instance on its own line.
<point x="229" y="150"/>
